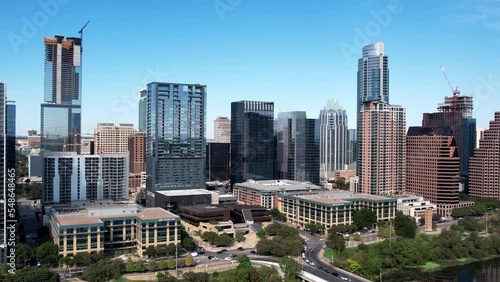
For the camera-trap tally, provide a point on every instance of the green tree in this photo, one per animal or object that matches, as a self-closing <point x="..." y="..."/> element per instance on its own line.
<point x="223" y="240"/>
<point x="336" y="242"/>
<point x="171" y="263"/>
<point x="47" y="253"/>
<point x="104" y="270"/>
<point x="188" y="243"/>
<point x="290" y="268"/>
<point x="35" y="191"/>
<point x="82" y="259"/>
<point x="196" y="277"/>
<point x="152" y="265"/>
<point x="385" y="229"/>
<point x="261" y="234"/>
<point x="67" y="261"/>
<point x="190" y="260"/>
<point x="33" y="274"/>
<point x="130" y="266"/>
<point x="139" y="266"/>
<point x="243" y="258"/>
<point x="277" y="215"/>
<point x="314" y="227"/>
<point x="150" y="252"/>
<point x="23" y="252"/>
<point x="209" y="236"/>
<point x="364" y="218"/>
<point x="240" y="236"/>
<point x="163" y="265"/>
<point x="405" y="225"/>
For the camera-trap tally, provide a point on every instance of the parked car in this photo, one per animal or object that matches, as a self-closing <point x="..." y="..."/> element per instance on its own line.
<point x="194" y="254"/>
<point x="240" y="249"/>
<point x="253" y="252"/>
<point x="228" y="258"/>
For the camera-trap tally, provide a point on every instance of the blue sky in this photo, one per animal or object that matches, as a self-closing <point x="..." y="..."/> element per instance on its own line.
<point x="295" y="53"/>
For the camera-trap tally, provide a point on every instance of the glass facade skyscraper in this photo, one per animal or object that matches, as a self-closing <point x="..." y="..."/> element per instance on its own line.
<point x="334" y="138"/>
<point x="297" y="147"/>
<point x="175" y="136"/>
<point x="7" y="165"/>
<point x="373" y="82"/>
<point x="143" y="110"/>
<point x="61" y="110"/>
<point x="252" y="141"/>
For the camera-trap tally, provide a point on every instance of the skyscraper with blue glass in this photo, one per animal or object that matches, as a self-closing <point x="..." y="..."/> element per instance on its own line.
<point x="61" y="109"/>
<point x="175" y="137"/>
<point x="373" y="85"/>
<point x="7" y="166"/>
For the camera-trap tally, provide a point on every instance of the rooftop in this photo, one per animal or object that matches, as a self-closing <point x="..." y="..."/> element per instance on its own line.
<point x="185" y="192"/>
<point x="71" y="219"/>
<point x="341" y="197"/>
<point x="281" y="185"/>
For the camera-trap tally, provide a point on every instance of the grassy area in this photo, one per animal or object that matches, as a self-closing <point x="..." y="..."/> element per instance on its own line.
<point x="431" y="265"/>
<point x="330" y="255"/>
<point x="127" y="280"/>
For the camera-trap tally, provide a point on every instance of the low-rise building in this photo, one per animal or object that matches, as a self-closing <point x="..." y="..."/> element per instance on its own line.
<point x="332" y="208"/>
<point x="172" y="200"/>
<point x="116" y="230"/>
<point x="262" y="193"/>
<point x="415" y="206"/>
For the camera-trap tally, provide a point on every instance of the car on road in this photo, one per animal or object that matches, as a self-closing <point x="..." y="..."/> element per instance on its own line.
<point x="215" y="258"/>
<point x="210" y="257"/>
<point x="312" y="263"/>
<point x="253" y="252"/>
<point x="228" y="258"/>
<point x="306" y="260"/>
<point x="344" y="278"/>
<point x="303" y="255"/>
<point x="335" y="274"/>
<point x="327" y="270"/>
<point x="240" y="249"/>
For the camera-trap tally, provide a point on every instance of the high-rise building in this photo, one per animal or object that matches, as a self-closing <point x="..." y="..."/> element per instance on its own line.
<point x="112" y="139"/>
<point x="61" y="111"/>
<point x="352" y="151"/>
<point x="464" y="128"/>
<point x="334" y="138"/>
<point x="137" y="153"/>
<point x="143" y="110"/>
<point x="7" y="168"/>
<point x="479" y="135"/>
<point x="218" y="161"/>
<point x="222" y="130"/>
<point x="433" y="164"/>
<point x="484" y="176"/>
<point x="373" y="82"/>
<point x="297" y="148"/>
<point x="175" y="137"/>
<point x="252" y="141"/>
<point x="382" y="167"/>
<point x="68" y="177"/>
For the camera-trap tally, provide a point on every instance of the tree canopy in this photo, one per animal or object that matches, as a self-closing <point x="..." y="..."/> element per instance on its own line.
<point x="364" y="218"/>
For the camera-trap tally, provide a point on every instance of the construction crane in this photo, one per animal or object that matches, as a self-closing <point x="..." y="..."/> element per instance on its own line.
<point x="455" y="91"/>
<point x="81" y="33"/>
<point x="65" y="143"/>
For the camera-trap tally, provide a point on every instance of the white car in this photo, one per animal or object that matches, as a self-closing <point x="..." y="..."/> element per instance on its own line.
<point x="344" y="278"/>
<point x="194" y="254"/>
<point x="215" y="258"/>
<point x="228" y="258"/>
<point x="312" y="263"/>
<point x="306" y="260"/>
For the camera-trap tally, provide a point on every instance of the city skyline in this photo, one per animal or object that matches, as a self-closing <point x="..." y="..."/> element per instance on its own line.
<point x="416" y="81"/>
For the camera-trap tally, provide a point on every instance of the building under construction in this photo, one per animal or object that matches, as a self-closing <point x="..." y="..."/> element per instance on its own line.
<point x="457" y="103"/>
<point x="60" y="117"/>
